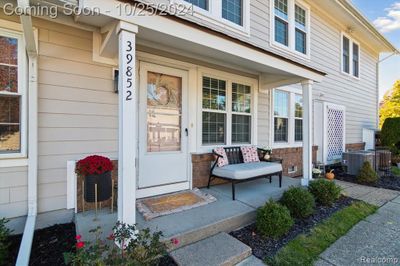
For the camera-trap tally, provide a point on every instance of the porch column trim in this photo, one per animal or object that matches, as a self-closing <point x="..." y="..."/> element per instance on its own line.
<point x="127" y="141"/>
<point x="307" y="131"/>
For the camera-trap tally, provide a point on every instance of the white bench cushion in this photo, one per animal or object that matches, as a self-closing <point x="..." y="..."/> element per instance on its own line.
<point x="243" y="171"/>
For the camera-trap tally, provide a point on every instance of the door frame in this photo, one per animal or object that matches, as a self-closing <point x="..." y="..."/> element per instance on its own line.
<point x="149" y="59"/>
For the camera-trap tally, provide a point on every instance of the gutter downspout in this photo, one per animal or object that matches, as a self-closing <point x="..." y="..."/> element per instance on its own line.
<point x="378" y="82"/>
<point x="32" y="52"/>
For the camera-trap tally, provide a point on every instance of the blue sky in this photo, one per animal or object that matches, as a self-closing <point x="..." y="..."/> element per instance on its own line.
<point x="385" y="14"/>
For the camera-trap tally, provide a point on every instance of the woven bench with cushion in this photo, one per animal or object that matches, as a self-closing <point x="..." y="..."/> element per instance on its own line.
<point x="241" y="164"/>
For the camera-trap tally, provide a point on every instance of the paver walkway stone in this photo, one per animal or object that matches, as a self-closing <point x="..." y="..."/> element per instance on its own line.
<point x="221" y="249"/>
<point x="372" y="195"/>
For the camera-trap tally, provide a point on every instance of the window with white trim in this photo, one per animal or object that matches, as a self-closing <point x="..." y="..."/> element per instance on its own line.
<point x="350" y="56"/>
<point x="291" y="25"/>
<point x="232" y="11"/>
<point x="12" y="96"/>
<point x="287" y="117"/>
<point x="200" y="3"/>
<point x="224" y="102"/>
<point x="233" y="15"/>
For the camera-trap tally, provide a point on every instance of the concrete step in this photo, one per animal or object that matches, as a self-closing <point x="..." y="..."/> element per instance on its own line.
<point x="227" y="225"/>
<point x="218" y="250"/>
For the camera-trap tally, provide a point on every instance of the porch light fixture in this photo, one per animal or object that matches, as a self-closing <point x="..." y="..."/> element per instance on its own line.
<point x="116" y="75"/>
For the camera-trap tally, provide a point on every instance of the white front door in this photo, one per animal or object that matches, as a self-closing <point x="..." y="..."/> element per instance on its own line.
<point x="163" y="134"/>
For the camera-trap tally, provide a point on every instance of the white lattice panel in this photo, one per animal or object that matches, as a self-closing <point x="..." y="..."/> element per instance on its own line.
<point x="334" y="132"/>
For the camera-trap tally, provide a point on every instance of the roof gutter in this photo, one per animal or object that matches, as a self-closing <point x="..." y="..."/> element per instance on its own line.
<point x="367" y="24"/>
<point x="32" y="52"/>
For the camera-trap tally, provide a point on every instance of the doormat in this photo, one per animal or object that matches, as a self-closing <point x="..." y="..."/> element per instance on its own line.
<point x="172" y="203"/>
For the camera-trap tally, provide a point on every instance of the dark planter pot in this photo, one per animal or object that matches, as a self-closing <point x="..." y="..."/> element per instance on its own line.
<point x="104" y="187"/>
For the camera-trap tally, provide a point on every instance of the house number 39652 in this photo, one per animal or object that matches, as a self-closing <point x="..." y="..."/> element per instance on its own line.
<point x="128" y="71"/>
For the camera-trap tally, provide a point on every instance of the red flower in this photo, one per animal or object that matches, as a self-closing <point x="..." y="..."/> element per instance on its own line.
<point x="111" y="237"/>
<point x="175" y="241"/>
<point x="93" y="165"/>
<point x="78" y="237"/>
<point x="80" y="245"/>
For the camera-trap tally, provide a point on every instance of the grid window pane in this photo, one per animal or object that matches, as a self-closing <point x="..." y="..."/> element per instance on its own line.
<point x="346" y="55"/>
<point x="298" y="106"/>
<point x="8" y="78"/>
<point x="280" y="129"/>
<point x="241" y="98"/>
<point x="300" y="17"/>
<point x="214" y="94"/>
<point x="213" y="128"/>
<point x="281" y="9"/>
<point x="356" y="58"/>
<point x="281" y="103"/>
<point x="200" y="3"/>
<point x="281" y="31"/>
<point x="232" y="11"/>
<point x="298" y="129"/>
<point x="10" y="128"/>
<point x="241" y="129"/>
<point x="9" y="51"/>
<point x="301" y="42"/>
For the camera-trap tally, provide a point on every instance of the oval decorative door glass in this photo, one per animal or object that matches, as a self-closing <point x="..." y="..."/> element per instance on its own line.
<point x="164" y="112"/>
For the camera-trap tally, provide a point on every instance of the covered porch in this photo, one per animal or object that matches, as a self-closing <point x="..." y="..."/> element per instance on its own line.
<point x="138" y="46"/>
<point x="223" y="215"/>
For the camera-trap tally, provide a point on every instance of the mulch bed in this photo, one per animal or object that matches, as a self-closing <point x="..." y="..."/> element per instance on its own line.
<point x="267" y="247"/>
<point x="388" y="182"/>
<point x="50" y="243"/>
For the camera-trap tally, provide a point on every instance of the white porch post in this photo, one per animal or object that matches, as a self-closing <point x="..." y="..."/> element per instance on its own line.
<point x="307" y="131"/>
<point x="127" y="123"/>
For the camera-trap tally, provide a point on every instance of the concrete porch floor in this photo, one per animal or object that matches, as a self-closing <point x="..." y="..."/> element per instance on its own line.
<point x="198" y="223"/>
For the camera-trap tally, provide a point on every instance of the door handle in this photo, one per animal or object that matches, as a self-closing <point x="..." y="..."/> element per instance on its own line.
<point x="187" y="132"/>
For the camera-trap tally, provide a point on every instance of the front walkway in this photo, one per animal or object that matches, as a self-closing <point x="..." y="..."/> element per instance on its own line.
<point x="374" y="240"/>
<point x="372" y="195"/>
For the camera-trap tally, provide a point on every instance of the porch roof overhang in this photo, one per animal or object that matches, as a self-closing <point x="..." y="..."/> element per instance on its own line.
<point x="192" y="39"/>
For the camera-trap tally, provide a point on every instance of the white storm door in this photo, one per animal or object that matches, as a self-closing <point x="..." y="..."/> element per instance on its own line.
<point x="163" y="134"/>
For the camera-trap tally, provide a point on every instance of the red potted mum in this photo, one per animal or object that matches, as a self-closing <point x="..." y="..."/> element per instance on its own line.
<point x="96" y="170"/>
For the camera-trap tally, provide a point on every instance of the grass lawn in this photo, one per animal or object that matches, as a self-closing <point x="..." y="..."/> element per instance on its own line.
<point x="305" y="248"/>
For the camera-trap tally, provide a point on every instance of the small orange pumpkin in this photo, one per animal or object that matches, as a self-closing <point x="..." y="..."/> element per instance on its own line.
<point x="330" y="175"/>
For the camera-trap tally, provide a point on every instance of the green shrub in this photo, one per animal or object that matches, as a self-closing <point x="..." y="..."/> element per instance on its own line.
<point x="4" y="241"/>
<point x="273" y="220"/>
<point x="390" y="136"/>
<point x="325" y="192"/>
<point x="367" y="174"/>
<point x="299" y="201"/>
